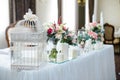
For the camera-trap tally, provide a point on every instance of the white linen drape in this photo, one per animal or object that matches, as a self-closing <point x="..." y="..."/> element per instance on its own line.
<point x="95" y="65"/>
<point x="69" y="13"/>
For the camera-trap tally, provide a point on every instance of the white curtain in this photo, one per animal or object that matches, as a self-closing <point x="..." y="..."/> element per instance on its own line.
<point x="4" y="14"/>
<point x="47" y="10"/>
<point x="4" y="21"/>
<point x="69" y="11"/>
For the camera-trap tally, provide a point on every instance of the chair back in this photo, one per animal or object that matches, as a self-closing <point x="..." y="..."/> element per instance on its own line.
<point x="109" y="32"/>
<point x="12" y="25"/>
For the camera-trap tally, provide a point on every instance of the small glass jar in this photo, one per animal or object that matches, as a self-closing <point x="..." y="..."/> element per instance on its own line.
<point x="53" y="54"/>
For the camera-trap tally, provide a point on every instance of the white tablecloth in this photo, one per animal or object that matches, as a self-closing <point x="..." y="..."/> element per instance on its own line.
<point x="95" y="65"/>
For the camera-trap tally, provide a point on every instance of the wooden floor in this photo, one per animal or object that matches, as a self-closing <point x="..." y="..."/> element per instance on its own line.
<point x="117" y="66"/>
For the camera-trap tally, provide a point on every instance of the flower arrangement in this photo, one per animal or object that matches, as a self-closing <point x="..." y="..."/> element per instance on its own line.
<point x="68" y="37"/>
<point x="94" y="33"/>
<point x="59" y="32"/>
<point x="54" y="32"/>
<point x="95" y="27"/>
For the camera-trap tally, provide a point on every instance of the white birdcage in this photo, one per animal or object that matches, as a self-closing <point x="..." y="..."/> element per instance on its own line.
<point x="27" y="45"/>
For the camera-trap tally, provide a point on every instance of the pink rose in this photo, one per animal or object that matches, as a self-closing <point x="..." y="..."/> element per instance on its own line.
<point x="57" y="29"/>
<point x="70" y="34"/>
<point x="95" y="36"/>
<point x="65" y="28"/>
<point x="50" y="30"/>
<point x="93" y="24"/>
<point x="74" y="41"/>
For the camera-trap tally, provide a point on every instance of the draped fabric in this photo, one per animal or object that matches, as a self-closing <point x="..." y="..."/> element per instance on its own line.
<point x="19" y="7"/>
<point x="60" y="9"/>
<point x="94" y="65"/>
<point x="91" y="9"/>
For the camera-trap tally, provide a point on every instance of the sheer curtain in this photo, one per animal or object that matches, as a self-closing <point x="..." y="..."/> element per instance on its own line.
<point x="4" y="21"/>
<point x="4" y="15"/>
<point x="47" y="10"/>
<point x="69" y="11"/>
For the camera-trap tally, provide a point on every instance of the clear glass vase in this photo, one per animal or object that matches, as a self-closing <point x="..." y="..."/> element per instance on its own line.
<point x="53" y="54"/>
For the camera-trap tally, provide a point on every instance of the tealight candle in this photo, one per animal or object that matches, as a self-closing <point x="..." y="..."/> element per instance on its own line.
<point x="73" y="52"/>
<point x="60" y="57"/>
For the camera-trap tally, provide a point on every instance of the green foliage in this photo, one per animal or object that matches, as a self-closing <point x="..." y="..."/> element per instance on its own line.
<point x="66" y="38"/>
<point x="97" y="29"/>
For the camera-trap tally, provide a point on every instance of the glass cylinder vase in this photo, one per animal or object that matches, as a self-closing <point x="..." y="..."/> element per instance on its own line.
<point x="53" y="54"/>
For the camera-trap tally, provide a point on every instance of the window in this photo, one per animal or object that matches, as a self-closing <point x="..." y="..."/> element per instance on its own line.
<point x="4" y="21"/>
<point x="4" y="15"/>
<point x="69" y="13"/>
<point x="46" y="10"/>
